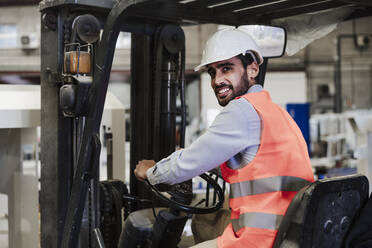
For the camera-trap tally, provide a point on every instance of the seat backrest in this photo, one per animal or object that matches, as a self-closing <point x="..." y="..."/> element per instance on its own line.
<point x="321" y="213"/>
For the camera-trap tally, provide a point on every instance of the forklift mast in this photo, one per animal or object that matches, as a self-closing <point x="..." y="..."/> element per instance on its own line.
<point x="78" y="39"/>
<point x="76" y="65"/>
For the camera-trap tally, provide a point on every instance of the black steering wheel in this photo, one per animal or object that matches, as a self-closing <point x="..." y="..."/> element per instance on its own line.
<point x="178" y="204"/>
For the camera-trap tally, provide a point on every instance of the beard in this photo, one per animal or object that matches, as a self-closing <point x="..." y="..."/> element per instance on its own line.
<point x="240" y="90"/>
<point x="245" y="85"/>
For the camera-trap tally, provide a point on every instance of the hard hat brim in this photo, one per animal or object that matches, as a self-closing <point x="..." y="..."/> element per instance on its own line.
<point x="202" y="65"/>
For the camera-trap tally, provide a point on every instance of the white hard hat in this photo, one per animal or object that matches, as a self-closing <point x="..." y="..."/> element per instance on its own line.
<point x="228" y="43"/>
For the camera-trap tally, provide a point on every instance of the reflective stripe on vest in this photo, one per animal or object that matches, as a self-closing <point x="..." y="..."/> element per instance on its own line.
<point x="266" y="185"/>
<point x="257" y="220"/>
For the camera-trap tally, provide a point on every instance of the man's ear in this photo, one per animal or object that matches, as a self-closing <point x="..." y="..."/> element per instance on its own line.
<point x="252" y="70"/>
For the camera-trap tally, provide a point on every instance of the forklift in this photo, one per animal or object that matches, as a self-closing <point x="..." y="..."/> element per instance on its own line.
<point x="78" y="39"/>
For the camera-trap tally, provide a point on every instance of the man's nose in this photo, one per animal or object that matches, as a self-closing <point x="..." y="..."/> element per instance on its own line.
<point x="219" y="79"/>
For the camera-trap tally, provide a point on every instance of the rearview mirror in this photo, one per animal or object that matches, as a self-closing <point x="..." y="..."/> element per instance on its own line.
<point x="270" y="40"/>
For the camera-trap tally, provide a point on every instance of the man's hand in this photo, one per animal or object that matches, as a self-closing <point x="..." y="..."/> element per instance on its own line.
<point x="142" y="167"/>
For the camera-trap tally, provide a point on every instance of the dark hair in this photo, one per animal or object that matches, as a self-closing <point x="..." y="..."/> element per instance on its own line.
<point x="246" y="60"/>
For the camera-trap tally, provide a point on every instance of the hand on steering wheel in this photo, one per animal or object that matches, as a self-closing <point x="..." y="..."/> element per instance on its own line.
<point x="175" y="203"/>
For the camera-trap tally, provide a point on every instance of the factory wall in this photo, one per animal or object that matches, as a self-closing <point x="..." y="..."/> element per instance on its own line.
<point x="27" y="57"/>
<point x="27" y="22"/>
<point x="318" y="60"/>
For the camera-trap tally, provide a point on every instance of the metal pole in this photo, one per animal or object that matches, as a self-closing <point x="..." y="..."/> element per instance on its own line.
<point x="338" y="81"/>
<point x="56" y="155"/>
<point x="141" y="111"/>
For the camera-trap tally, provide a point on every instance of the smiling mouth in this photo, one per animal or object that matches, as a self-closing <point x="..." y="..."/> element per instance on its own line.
<point x="223" y="92"/>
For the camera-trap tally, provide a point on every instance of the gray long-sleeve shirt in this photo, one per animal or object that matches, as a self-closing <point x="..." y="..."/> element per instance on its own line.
<point x="233" y="137"/>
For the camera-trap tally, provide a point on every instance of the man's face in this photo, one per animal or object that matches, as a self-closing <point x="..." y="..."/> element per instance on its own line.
<point x="229" y="79"/>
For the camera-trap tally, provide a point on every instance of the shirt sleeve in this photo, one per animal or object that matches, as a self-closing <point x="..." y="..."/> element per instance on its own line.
<point x="235" y="128"/>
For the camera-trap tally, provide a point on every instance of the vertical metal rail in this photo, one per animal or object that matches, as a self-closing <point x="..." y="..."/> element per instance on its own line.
<point x="157" y="93"/>
<point x="141" y="111"/>
<point x="155" y="83"/>
<point x="90" y="147"/>
<point x="165" y="89"/>
<point x="166" y="142"/>
<point x="338" y="89"/>
<point x="168" y="82"/>
<point x="56" y="169"/>
<point x="338" y="81"/>
<point x="183" y="98"/>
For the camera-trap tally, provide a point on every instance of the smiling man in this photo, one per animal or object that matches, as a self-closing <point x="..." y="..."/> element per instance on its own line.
<point x="259" y="147"/>
<point x="230" y="78"/>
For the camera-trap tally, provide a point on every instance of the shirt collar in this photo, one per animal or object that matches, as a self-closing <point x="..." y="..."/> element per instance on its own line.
<point x="255" y="88"/>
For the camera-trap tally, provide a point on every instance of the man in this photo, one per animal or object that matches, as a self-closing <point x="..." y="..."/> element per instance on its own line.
<point x="260" y="149"/>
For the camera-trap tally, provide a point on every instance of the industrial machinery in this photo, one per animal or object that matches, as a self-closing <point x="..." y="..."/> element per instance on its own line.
<point x="77" y="49"/>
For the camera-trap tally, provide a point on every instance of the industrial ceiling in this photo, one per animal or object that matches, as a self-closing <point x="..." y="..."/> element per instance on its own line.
<point x="227" y="12"/>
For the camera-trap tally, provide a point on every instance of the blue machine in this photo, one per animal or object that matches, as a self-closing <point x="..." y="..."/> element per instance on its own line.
<point x="300" y="112"/>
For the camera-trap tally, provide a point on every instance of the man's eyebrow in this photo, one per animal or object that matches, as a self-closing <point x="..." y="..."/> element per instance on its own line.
<point x="224" y="64"/>
<point x="209" y="68"/>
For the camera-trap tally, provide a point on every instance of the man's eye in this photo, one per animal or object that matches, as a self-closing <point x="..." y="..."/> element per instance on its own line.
<point x="225" y="69"/>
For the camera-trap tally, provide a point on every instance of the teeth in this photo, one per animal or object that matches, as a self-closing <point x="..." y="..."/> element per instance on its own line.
<point x="223" y="90"/>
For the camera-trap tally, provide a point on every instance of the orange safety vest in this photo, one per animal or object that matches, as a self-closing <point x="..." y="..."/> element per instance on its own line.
<point x="261" y="191"/>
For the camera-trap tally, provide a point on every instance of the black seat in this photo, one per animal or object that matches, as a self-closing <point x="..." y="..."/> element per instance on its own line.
<point x="321" y="214"/>
<point x="137" y="229"/>
<point x="143" y="229"/>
